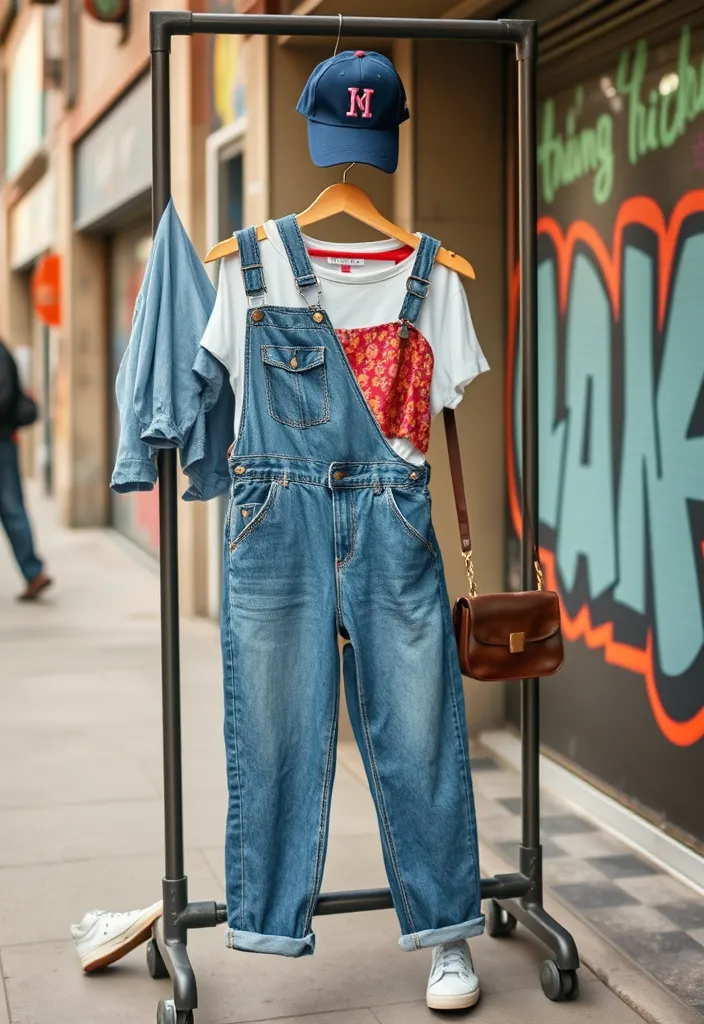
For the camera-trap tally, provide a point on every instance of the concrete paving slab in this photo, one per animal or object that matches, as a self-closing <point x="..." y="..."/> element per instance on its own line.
<point x="498" y="784"/>
<point x="39" y="901"/>
<point x="45" y="985"/>
<point x="74" y="776"/>
<point x="119" y="828"/>
<point x="80" y="832"/>
<point x="343" y="1017"/>
<point x="4" y="1009"/>
<point x="527" y="1006"/>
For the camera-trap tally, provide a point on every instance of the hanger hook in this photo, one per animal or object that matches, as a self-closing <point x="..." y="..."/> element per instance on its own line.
<point x="339" y="33"/>
<point x="344" y="173"/>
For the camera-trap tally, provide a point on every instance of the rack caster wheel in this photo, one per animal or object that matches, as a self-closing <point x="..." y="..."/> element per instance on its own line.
<point x="155" y="961"/>
<point x="499" y="922"/>
<point x="166" y="1013"/>
<point x="557" y="984"/>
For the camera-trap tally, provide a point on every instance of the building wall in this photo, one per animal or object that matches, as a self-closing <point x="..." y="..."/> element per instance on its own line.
<point x="108" y="64"/>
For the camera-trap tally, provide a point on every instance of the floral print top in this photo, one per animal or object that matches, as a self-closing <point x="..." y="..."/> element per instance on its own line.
<point x="394" y="375"/>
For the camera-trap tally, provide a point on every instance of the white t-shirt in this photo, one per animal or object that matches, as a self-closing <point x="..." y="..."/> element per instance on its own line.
<point x="368" y="294"/>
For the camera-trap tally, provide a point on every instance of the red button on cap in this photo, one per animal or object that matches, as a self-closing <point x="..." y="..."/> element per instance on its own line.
<point x="360" y="53"/>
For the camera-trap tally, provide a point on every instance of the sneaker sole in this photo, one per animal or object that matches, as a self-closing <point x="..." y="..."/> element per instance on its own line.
<point x="123" y="944"/>
<point x="439" y="1002"/>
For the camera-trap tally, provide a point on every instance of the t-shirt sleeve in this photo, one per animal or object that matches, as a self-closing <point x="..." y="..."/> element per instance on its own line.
<point x="222" y="332"/>
<point x="458" y="355"/>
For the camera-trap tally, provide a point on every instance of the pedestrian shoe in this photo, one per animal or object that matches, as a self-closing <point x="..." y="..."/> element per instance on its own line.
<point x="103" y="937"/>
<point x="452" y="984"/>
<point x="35" y="587"/>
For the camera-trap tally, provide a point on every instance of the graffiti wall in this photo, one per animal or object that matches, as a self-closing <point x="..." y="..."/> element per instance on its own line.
<point x="621" y="342"/>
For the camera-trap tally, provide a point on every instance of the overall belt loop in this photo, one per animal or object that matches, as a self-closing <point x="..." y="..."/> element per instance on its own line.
<point x="297" y="254"/>
<point x="418" y="282"/>
<point x="251" y="262"/>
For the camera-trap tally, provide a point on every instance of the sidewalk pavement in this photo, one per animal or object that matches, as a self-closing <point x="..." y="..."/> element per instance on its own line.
<point x="81" y="826"/>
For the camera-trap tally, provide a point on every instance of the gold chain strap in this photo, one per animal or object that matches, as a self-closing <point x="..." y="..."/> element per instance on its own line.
<point x="539" y="574"/>
<point x="469" y="566"/>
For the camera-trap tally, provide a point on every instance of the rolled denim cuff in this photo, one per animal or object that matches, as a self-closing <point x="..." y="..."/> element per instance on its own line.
<point x="133" y="475"/>
<point x="438" y="936"/>
<point x="162" y="432"/>
<point x="283" y="945"/>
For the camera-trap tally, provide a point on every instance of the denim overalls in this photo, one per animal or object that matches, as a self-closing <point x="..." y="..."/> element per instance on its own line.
<point x="328" y="533"/>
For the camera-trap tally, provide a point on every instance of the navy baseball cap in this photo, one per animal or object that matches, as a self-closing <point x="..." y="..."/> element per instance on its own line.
<point x="354" y="103"/>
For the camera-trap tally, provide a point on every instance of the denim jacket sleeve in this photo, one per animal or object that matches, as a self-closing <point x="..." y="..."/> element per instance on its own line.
<point x="204" y="458"/>
<point x="164" y="400"/>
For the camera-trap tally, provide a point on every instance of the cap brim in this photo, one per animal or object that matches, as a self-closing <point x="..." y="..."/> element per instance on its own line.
<point x="330" y="144"/>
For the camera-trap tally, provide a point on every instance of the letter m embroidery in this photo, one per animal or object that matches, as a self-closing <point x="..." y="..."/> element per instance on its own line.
<point x="357" y="102"/>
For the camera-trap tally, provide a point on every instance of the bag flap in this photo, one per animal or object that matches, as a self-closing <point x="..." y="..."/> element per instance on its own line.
<point x="294" y="358"/>
<point x="535" y="613"/>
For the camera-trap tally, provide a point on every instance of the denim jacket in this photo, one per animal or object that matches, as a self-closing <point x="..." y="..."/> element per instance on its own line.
<point x="171" y="393"/>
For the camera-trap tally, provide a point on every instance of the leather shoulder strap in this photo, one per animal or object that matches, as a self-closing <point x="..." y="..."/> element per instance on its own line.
<point x="453" y="450"/>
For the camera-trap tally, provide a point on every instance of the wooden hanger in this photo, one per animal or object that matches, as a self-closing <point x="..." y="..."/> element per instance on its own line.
<point x="344" y="197"/>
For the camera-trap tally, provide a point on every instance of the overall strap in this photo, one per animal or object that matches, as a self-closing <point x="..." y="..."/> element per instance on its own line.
<point x="418" y="282"/>
<point x="296" y="251"/>
<point x="251" y="261"/>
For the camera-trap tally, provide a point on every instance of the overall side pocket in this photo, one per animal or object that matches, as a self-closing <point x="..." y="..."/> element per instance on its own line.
<point x="251" y="504"/>
<point x="412" y="509"/>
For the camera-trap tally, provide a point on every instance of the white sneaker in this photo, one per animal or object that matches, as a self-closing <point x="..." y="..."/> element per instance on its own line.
<point x="452" y="984"/>
<point x="103" y="937"/>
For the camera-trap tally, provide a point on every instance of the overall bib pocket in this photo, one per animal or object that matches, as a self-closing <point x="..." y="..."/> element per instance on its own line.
<point x="296" y="384"/>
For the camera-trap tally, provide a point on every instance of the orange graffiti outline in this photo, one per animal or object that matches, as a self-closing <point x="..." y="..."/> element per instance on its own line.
<point x="644" y="211"/>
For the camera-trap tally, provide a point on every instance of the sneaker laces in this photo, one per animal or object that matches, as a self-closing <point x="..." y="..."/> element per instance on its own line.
<point x="452" y="959"/>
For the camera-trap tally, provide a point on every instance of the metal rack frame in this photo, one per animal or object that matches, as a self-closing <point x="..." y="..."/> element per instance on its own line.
<point x="517" y="896"/>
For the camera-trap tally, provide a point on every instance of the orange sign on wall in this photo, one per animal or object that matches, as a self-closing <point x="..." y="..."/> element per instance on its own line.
<point x="46" y="289"/>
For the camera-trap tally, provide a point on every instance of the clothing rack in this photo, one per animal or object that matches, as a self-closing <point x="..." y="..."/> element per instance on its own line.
<point x="515" y="897"/>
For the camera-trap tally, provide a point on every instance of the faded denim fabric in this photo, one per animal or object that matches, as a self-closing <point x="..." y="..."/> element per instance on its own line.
<point x="13" y="514"/>
<point x="170" y="392"/>
<point x="329" y="533"/>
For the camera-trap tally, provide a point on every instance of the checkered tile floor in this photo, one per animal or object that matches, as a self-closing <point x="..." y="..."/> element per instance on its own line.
<point x="651" y="917"/>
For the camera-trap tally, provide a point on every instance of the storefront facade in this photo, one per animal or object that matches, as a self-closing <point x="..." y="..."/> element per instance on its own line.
<point x="33" y="232"/>
<point x="30" y="222"/>
<point x="621" y="309"/>
<point x="112" y="204"/>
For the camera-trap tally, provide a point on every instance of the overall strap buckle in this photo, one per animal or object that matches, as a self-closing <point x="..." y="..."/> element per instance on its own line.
<point x="418" y="283"/>
<point x="319" y="290"/>
<point x="251" y="263"/>
<point x="420" y="293"/>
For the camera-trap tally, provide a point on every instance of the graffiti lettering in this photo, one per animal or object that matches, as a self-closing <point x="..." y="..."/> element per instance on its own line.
<point x="655" y="122"/>
<point x="564" y="159"/>
<point x="622" y="439"/>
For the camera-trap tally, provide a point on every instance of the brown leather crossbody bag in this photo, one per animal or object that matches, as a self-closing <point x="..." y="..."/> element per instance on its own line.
<point x="501" y="636"/>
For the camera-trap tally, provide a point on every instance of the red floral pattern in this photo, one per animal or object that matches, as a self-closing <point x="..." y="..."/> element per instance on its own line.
<point x="394" y="375"/>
